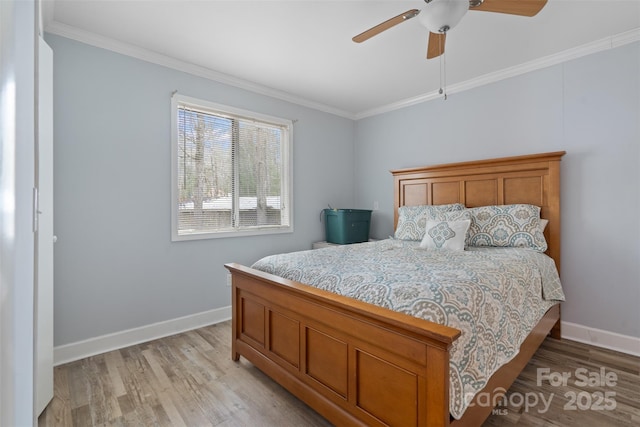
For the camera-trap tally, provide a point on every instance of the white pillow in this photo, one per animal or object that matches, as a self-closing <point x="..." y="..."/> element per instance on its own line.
<point x="448" y="235"/>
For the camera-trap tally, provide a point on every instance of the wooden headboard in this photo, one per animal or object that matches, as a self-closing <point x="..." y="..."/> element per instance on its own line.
<point x="532" y="179"/>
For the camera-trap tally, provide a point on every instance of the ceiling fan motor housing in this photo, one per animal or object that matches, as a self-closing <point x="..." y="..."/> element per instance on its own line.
<point x="439" y="16"/>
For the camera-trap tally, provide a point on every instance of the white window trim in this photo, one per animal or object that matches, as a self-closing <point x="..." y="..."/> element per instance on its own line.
<point x="287" y="181"/>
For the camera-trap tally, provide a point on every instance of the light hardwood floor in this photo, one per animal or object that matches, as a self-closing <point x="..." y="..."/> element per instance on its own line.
<point x="189" y="379"/>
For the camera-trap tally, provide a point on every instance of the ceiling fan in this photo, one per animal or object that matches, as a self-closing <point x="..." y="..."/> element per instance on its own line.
<point x="439" y="16"/>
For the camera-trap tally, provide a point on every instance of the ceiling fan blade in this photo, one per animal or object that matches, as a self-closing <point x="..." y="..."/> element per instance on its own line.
<point x="386" y="25"/>
<point x="436" y="44"/>
<point x="511" y="7"/>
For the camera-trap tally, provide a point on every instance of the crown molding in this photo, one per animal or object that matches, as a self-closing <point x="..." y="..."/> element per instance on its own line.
<point x="537" y="64"/>
<point x="96" y="40"/>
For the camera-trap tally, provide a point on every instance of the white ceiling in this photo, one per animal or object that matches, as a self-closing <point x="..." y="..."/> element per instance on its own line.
<point x="302" y="50"/>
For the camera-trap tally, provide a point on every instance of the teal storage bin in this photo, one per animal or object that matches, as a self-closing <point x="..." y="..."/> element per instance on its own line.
<point x="345" y="226"/>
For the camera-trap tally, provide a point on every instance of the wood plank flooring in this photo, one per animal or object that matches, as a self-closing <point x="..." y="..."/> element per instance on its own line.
<point x="190" y="380"/>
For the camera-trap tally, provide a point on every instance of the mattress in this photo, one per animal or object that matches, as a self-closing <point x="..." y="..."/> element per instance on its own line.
<point x="494" y="296"/>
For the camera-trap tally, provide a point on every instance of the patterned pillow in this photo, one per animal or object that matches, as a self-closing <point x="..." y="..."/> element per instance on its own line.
<point x="445" y="235"/>
<point x="506" y="226"/>
<point x="449" y="216"/>
<point x="543" y="224"/>
<point x="412" y="219"/>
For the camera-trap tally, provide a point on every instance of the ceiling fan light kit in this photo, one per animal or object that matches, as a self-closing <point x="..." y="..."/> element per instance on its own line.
<point x="439" y="16"/>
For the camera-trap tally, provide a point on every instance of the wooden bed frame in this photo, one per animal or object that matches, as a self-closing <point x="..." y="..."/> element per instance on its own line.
<point x="359" y="364"/>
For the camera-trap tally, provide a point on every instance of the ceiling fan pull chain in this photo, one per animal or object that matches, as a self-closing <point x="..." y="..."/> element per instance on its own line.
<point x="441" y="91"/>
<point x="443" y="71"/>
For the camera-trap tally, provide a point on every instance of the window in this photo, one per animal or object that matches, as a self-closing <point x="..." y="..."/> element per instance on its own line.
<point x="231" y="172"/>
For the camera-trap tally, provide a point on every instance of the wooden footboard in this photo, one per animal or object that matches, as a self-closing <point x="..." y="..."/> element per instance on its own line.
<point x="354" y="363"/>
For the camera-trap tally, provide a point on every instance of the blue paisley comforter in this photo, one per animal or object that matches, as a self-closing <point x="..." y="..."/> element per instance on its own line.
<point x="495" y="296"/>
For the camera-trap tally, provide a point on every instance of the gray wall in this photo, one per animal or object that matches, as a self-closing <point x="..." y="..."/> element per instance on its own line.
<point x="115" y="265"/>
<point x="588" y="107"/>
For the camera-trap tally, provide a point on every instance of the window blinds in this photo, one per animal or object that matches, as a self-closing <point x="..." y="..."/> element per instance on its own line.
<point x="231" y="172"/>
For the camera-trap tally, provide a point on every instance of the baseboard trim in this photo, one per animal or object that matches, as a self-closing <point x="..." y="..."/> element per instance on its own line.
<point x="102" y="344"/>
<point x="600" y="338"/>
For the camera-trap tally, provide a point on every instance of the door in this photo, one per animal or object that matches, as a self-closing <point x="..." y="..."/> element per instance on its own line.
<point x="44" y="235"/>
